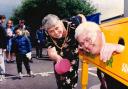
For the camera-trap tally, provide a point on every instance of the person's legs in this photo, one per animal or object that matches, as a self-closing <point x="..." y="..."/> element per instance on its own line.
<point x="69" y="79"/>
<point x="26" y="64"/>
<point x="2" y="64"/>
<point x="37" y="50"/>
<point x="9" y="57"/>
<point x="8" y="51"/>
<point x="40" y="50"/>
<point x="13" y="58"/>
<point x="100" y="75"/>
<point x="19" y="63"/>
<point x="2" y="68"/>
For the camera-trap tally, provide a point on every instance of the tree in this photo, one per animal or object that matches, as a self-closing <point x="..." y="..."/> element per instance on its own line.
<point x="32" y="11"/>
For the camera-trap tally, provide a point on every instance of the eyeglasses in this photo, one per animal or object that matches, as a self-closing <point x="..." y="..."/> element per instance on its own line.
<point x="88" y="41"/>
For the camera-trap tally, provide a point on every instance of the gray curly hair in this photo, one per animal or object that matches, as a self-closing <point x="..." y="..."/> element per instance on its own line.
<point x="49" y="21"/>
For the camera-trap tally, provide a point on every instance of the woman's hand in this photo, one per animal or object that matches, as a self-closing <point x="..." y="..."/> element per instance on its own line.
<point x="108" y="49"/>
<point x="52" y="53"/>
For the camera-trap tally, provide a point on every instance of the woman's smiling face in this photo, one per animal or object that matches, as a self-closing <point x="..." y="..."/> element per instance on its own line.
<point x="56" y="31"/>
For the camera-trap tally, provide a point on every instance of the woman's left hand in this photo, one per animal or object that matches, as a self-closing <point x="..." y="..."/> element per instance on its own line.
<point x="53" y="54"/>
<point x="108" y="49"/>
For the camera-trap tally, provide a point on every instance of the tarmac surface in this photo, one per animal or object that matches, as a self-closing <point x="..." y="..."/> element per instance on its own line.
<point x="44" y="76"/>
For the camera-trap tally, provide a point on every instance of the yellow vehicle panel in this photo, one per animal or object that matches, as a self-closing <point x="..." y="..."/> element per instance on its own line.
<point x="114" y="31"/>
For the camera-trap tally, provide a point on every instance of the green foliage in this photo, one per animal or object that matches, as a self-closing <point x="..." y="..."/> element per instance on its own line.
<point x="32" y="11"/>
<point x="109" y="62"/>
<point x="69" y="8"/>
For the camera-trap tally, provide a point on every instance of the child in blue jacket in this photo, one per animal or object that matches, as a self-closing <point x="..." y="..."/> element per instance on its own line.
<point x="21" y="46"/>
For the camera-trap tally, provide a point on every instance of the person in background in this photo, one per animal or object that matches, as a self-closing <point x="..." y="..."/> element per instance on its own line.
<point x="23" y="28"/>
<point x="10" y="34"/>
<point x="40" y="41"/>
<point x="22" y="47"/>
<point x="2" y="47"/>
<point x="92" y="40"/>
<point x="77" y="19"/>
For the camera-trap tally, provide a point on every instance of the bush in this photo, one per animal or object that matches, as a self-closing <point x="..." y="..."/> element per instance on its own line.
<point x="32" y="11"/>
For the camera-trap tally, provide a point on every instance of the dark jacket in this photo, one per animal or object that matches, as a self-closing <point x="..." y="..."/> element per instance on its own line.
<point x="3" y="37"/>
<point x="21" y="45"/>
<point x="40" y="36"/>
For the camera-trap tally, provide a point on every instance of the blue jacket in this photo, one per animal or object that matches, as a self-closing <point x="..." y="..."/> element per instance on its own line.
<point x="40" y="35"/>
<point x="21" y="45"/>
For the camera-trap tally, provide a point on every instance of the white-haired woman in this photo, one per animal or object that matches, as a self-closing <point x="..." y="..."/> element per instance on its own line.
<point x="62" y="44"/>
<point x="92" y="40"/>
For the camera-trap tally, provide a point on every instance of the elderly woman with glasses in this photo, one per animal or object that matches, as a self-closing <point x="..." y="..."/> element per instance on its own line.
<point x="92" y="40"/>
<point x="63" y="45"/>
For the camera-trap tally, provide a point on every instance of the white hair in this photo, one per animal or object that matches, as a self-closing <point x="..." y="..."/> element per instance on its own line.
<point x="50" y="20"/>
<point x="83" y="18"/>
<point x="88" y="28"/>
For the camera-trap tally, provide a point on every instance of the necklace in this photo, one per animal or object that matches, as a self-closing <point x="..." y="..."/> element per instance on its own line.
<point x="63" y="44"/>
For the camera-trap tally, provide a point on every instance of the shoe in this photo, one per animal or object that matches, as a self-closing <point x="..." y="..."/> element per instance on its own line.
<point x="7" y="61"/>
<point x="31" y="61"/>
<point x="20" y="75"/>
<point x="2" y="77"/>
<point x="37" y="57"/>
<point x="41" y="56"/>
<point x="31" y="74"/>
<point x="12" y="61"/>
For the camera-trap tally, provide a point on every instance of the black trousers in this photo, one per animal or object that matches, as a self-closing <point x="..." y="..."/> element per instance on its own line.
<point x="69" y="79"/>
<point x="39" y="47"/>
<point x="22" y="58"/>
<point x="113" y="83"/>
<point x="108" y="82"/>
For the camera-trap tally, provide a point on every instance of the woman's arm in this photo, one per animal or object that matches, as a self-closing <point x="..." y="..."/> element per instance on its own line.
<point x="52" y="53"/>
<point x="108" y="49"/>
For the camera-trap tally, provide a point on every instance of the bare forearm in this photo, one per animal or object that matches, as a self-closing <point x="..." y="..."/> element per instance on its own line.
<point x="55" y="57"/>
<point x="52" y="53"/>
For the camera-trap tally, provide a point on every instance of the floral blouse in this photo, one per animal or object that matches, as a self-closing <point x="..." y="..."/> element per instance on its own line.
<point x="69" y="43"/>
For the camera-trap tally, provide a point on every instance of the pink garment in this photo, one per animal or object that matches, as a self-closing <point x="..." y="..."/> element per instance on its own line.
<point x="63" y="66"/>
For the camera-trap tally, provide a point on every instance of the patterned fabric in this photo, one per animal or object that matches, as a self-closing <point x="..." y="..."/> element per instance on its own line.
<point x="70" y="52"/>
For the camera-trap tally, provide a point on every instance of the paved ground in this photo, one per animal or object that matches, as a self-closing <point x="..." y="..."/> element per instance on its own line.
<point x="44" y="76"/>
